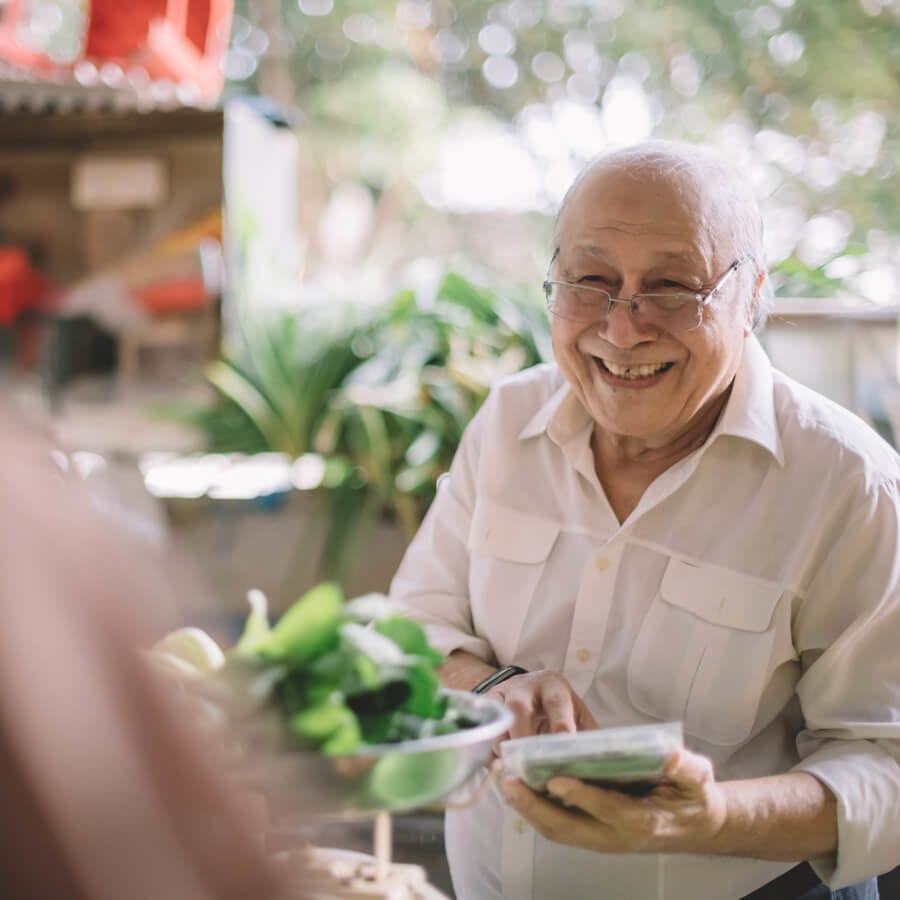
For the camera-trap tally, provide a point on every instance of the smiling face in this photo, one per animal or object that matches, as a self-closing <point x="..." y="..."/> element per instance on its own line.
<point x="628" y="230"/>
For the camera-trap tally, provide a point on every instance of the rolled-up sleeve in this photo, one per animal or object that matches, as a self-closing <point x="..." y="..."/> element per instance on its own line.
<point x="849" y="626"/>
<point x="432" y="582"/>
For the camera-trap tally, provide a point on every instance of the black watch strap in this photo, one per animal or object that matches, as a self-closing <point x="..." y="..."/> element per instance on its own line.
<point x="498" y="678"/>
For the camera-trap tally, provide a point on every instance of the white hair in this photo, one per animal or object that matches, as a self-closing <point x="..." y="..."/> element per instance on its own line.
<point x="699" y="168"/>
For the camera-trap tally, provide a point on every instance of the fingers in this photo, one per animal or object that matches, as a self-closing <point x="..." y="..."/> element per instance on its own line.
<point x="552" y="820"/>
<point x="684" y="811"/>
<point x="559" y="706"/>
<point x="598" y="803"/>
<point x="688" y="770"/>
<point x="523" y="705"/>
<point x="584" y="718"/>
<point x="495" y="750"/>
<point x="543" y="702"/>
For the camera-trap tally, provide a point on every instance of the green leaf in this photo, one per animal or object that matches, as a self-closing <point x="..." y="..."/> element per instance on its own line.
<point x="319" y="722"/>
<point x="344" y="741"/>
<point x="412" y="779"/>
<point x="461" y="291"/>
<point x="371" y="644"/>
<point x="426" y="699"/>
<point x="257" y="630"/>
<point x="410" y="637"/>
<point x="247" y="397"/>
<point x="292" y="694"/>
<point x="367" y="672"/>
<point x="308" y="629"/>
<point x="377" y="728"/>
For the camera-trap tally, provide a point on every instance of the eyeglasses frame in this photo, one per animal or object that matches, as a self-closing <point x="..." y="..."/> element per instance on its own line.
<point x="702" y="297"/>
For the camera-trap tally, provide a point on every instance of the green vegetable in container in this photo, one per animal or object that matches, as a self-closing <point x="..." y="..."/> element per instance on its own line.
<point x="340" y="684"/>
<point x="410" y="637"/>
<point x="320" y="722"/>
<point x="257" y="630"/>
<point x="411" y="779"/>
<point x="308" y="629"/>
<point x="425" y="699"/>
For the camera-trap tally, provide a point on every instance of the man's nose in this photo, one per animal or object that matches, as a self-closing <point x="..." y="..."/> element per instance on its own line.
<point x="622" y="328"/>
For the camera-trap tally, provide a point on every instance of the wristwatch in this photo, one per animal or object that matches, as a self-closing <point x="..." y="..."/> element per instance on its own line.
<point x="498" y="677"/>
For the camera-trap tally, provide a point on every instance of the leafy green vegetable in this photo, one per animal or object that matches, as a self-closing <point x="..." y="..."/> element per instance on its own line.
<point x="386" y="699"/>
<point x="425" y="699"/>
<point x="410" y="778"/>
<point x="410" y="637"/>
<point x="372" y="645"/>
<point x="344" y="741"/>
<point x="322" y="721"/>
<point x="308" y="629"/>
<point x="337" y="683"/>
<point x="257" y="630"/>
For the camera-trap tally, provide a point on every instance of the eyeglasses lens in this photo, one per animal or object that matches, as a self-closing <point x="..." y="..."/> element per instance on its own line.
<point x="678" y="312"/>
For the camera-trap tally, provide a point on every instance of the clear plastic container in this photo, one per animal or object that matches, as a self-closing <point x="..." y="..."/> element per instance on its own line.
<point x="630" y="758"/>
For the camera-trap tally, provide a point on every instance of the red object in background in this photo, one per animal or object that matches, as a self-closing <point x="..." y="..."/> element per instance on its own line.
<point x="23" y="290"/>
<point x="10" y="49"/>
<point x="180" y="40"/>
<point x="22" y="287"/>
<point x="173" y="295"/>
<point x="120" y="29"/>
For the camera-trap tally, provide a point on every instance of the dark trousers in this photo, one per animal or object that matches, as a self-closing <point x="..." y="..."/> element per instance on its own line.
<point x="801" y="883"/>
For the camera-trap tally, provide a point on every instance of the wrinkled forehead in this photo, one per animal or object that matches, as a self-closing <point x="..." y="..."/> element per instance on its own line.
<point x="660" y="209"/>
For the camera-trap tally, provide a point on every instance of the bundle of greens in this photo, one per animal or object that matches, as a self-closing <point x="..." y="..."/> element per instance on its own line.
<point x="630" y="758"/>
<point x="340" y="685"/>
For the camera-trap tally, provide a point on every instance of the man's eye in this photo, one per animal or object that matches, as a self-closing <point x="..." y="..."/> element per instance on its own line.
<point x="595" y="279"/>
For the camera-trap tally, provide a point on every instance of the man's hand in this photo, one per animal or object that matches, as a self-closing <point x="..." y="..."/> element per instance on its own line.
<point x="543" y="703"/>
<point x="684" y="812"/>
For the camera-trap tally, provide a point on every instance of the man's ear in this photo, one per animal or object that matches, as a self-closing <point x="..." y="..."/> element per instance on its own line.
<point x="760" y="281"/>
<point x="751" y="306"/>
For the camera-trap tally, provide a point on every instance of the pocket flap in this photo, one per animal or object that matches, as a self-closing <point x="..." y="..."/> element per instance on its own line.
<point x="720" y="596"/>
<point x="510" y="534"/>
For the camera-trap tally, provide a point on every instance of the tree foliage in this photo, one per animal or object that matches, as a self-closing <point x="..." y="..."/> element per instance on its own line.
<point x="803" y="92"/>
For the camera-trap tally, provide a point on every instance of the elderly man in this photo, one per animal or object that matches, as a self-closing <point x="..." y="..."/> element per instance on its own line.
<point x="662" y="527"/>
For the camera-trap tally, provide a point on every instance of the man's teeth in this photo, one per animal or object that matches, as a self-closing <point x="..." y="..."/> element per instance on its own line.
<point x="634" y="371"/>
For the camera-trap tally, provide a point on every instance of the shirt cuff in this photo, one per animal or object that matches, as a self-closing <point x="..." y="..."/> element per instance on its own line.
<point x="446" y="640"/>
<point x="865" y="779"/>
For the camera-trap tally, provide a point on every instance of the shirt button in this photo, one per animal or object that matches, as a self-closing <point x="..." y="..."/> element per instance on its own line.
<point x="520" y="826"/>
<point x="583" y="655"/>
<point x="601" y="563"/>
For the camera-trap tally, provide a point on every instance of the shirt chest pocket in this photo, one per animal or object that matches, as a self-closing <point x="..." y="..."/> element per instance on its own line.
<point x="508" y="552"/>
<point x="706" y="650"/>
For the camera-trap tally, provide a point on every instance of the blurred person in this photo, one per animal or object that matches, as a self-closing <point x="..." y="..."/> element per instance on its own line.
<point x="662" y="527"/>
<point x="105" y="794"/>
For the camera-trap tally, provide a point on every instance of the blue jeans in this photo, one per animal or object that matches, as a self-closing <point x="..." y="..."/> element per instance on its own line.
<point x="865" y="890"/>
<point x="801" y="883"/>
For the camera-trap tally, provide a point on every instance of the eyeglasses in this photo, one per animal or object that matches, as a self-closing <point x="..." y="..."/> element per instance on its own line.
<point x="671" y="310"/>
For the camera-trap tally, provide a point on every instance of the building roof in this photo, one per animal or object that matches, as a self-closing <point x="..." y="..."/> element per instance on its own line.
<point x="87" y="106"/>
<point x="87" y="88"/>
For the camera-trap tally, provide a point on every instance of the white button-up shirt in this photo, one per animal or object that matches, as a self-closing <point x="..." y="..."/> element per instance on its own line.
<point x="753" y="593"/>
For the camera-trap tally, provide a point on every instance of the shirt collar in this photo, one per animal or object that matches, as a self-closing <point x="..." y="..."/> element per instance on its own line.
<point x="749" y="413"/>
<point x="560" y="417"/>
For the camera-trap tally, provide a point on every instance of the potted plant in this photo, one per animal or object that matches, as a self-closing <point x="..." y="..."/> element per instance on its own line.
<point x="379" y="397"/>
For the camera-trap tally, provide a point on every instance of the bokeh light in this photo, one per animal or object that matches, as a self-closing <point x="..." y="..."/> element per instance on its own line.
<point x="803" y="110"/>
